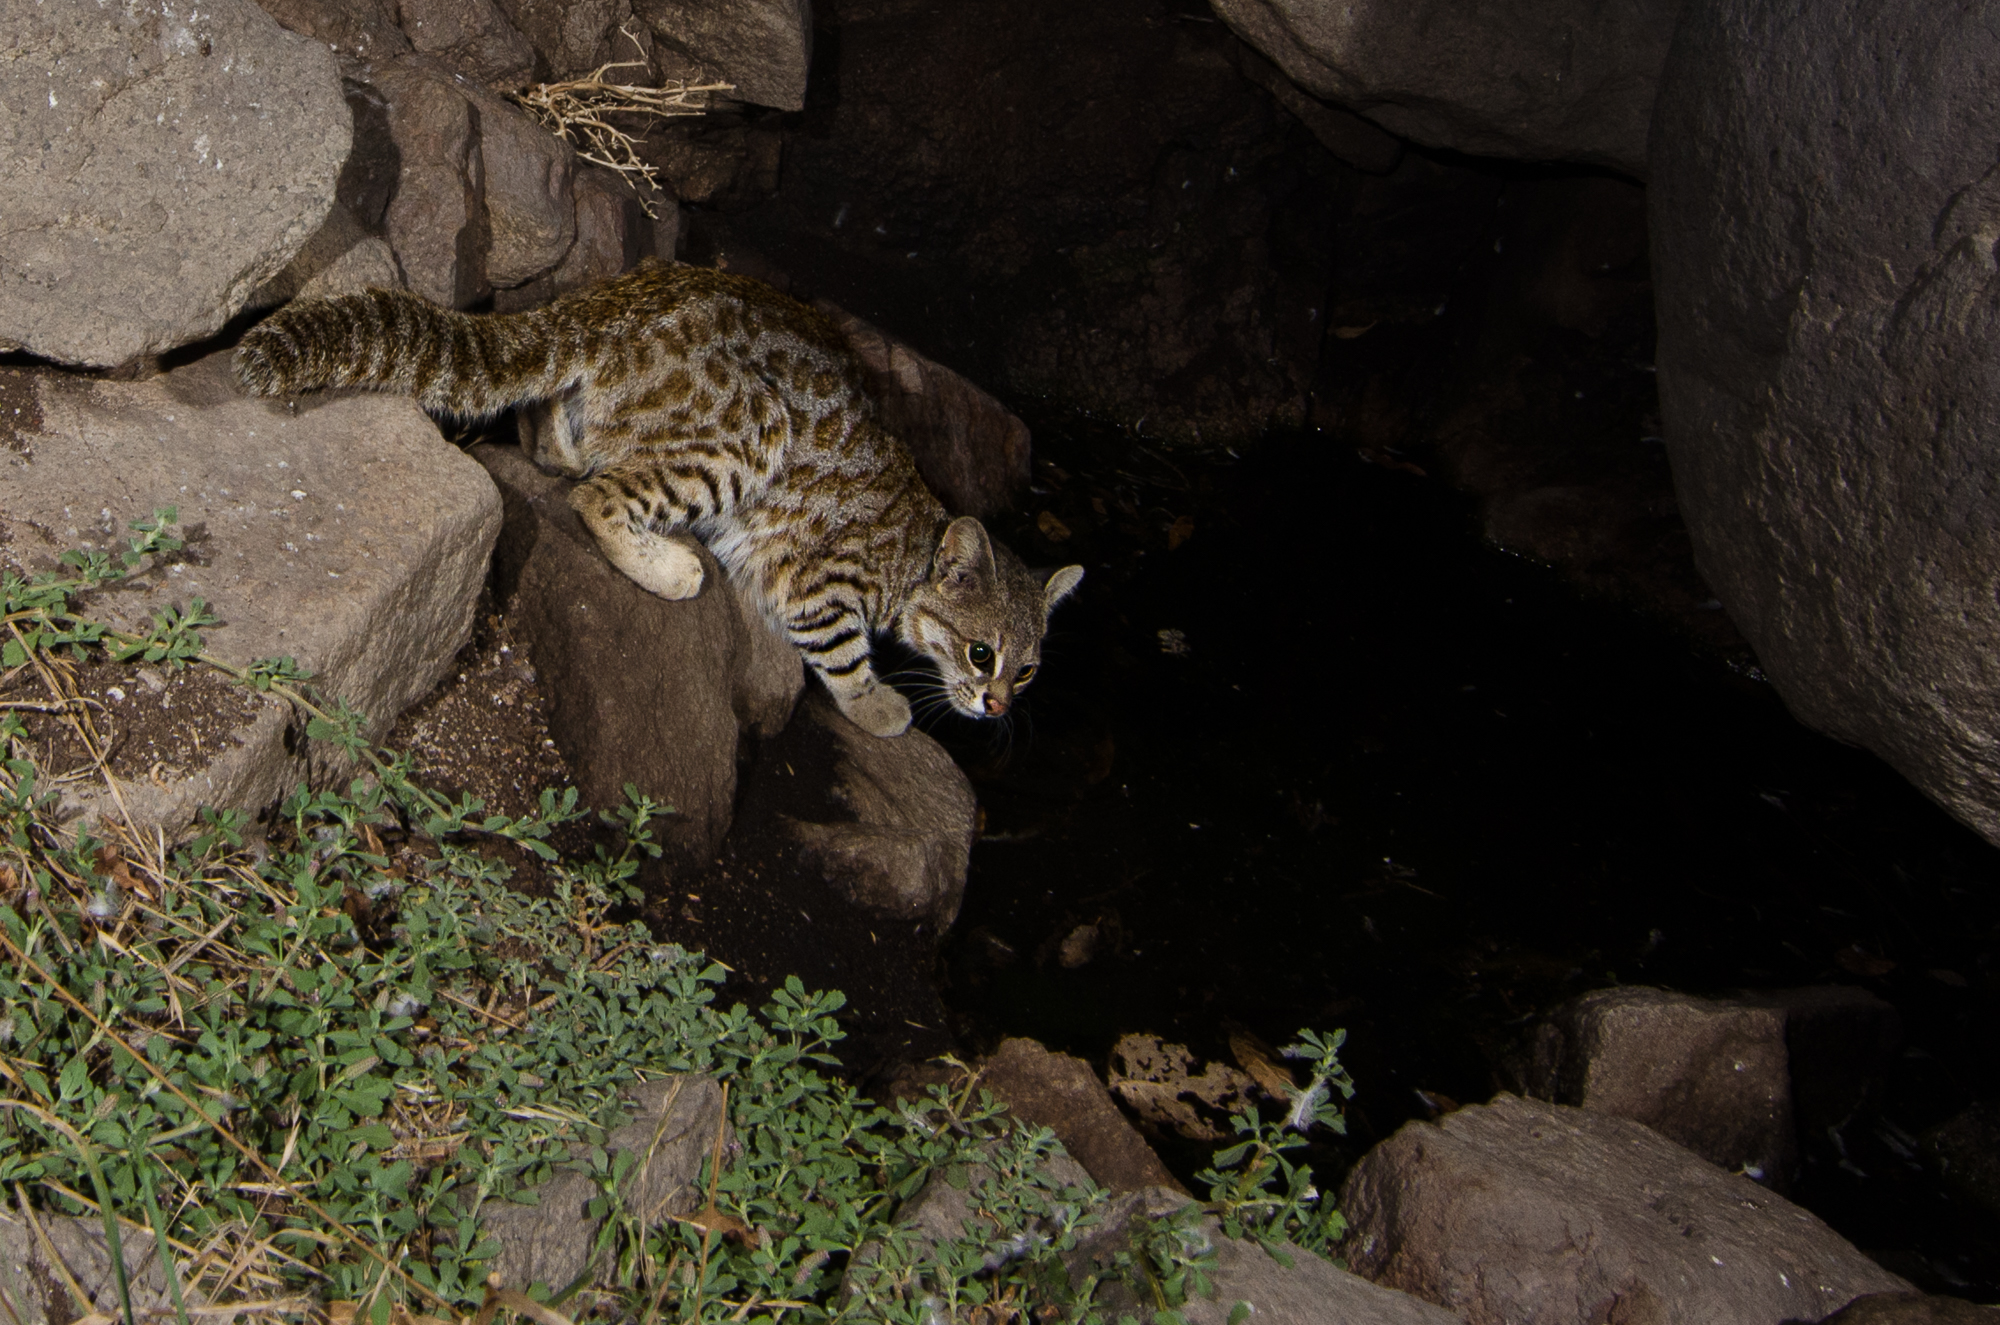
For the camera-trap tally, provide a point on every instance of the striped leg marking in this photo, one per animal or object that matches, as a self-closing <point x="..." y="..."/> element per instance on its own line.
<point x="834" y="641"/>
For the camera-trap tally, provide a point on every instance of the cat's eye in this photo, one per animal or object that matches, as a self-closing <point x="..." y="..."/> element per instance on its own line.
<point x="979" y="654"/>
<point x="1025" y="675"/>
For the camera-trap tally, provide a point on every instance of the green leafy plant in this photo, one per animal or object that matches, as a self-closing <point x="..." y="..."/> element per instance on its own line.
<point x="1254" y="1188"/>
<point x="308" y="1068"/>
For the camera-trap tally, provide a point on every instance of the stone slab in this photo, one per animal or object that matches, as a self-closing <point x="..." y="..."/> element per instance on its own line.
<point x="1523" y="1211"/>
<point x="158" y="163"/>
<point x="341" y="531"/>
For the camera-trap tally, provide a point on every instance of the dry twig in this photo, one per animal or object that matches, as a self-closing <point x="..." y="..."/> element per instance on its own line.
<point x="583" y="113"/>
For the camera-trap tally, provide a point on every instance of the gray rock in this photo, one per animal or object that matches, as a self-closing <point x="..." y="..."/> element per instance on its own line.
<point x="972" y="450"/>
<point x="1823" y="209"/>
<point x="435" y="214"/>
<point x="343" y="532"/>
<point x="645" y="691"/>
<point x="1842" y="1043"/>
<point x="764" y="47"/>
<point x="471" y="192"/>
<point x="1353" y="138"/>
<point x="905" y="851"/>
<point x="1911" y="1309"/>
<point x="1062" y="1094"/>
<point x="1713" y="1076"/>
<point x="530" y="209"/>
<point x="1570" y="81"/>
<point x="673" y="1129"/>
<point x="159" y="164"/>
<point x="1519" y="1210"/>
<point x="30" y="1254"/>
<point x="355" y="31"/>
<point x="572" y="38"/>
<point x="469" y="37"/>
<point x="1310" y="1291"/>
<point x="612" y="230"/>
<point x="342" y="258"/>
<point x="729" y="165"/>
<point x="612" y="234"/>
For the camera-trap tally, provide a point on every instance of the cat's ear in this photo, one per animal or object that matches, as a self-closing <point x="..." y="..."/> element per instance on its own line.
<point x="964" y="556"/>
<point x="1059" y="586"/>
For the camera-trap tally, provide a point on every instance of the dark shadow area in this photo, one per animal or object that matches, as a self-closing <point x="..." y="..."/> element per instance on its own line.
<point x="1332" y="761"/>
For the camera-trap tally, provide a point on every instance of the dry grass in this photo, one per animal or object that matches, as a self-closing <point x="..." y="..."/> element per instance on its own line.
<point x="598" y="115"/>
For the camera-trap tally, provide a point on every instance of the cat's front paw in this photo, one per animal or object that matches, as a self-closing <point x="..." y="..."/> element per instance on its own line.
<point x="881" y="711"/>
<point x="671" y="570"/>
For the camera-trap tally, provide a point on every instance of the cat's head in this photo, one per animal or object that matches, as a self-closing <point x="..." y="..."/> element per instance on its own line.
<point x="980" y="617"/>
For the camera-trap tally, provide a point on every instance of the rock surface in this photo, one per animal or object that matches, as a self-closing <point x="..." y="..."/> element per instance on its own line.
<point x="1352" y="138"/>
<point x="340" y="531"/>
<point x="1824" y="209"/>
<point x="905" y="848"/>
<point x="341" y="258"/>
<point x="1519" y="1210"/>
<point x="572" y="38"/>
<point x="529" y="178"/>
<point x="1062" y="1094"/>
<point x="1713" y="1076"/>
<point x="1842" y="1043"/>
<point x="763" y="47"/>
<point x="671" y="1132"/>
<point x="1572" y="81"/>
<point x="355" y="31"/>
<point x="32" y="1269"/>
<point x="971" y="449"/>
<point x="159" y="164"/>
<point x="1310" y="1291"/>
<point x="645" y="691"/>
<point x="469" y="37"/>
<point x="1911" y="1309"/>
<point x="433" y="199"/>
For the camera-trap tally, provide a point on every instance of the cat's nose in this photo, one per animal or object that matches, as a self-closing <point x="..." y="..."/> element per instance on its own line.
<point x="995" y="706"/>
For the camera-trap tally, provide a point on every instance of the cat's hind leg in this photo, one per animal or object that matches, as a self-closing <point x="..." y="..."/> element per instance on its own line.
<point x="622" y="513"/>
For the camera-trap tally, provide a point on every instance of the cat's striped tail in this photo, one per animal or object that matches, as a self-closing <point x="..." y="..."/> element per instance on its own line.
<point x="467" y="364"/>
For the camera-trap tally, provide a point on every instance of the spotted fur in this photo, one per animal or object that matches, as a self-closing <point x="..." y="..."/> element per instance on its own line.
<point x="690" y="399"/>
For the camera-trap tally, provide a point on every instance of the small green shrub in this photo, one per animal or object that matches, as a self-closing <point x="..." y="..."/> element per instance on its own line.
<point x="311" y="1066"/>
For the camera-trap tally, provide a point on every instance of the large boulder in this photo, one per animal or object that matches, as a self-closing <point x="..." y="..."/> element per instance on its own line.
<point x="1910" y="1309"/>
<point x="898" y="835"/>
<point x="1713" y="1076"/>
<point x="159" y="163"/>
<point x="762" y="47"/>
<point x="676" y="1123"/>
<point x="1824" y="211"/>
<point x="1530" y="80"/>
<point x="1062" y="1094"/>
<point x="1519" y="1210"/>
<point x="470" y="193"/>
<point x="342" y="532"/>
<point x="1302" y="1289"/>
<point x="646" y="691"/>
